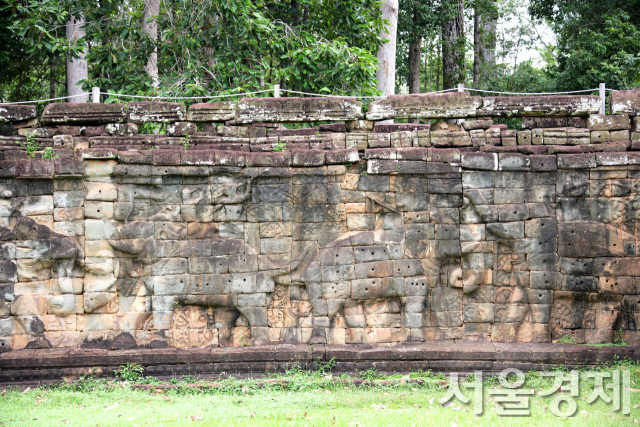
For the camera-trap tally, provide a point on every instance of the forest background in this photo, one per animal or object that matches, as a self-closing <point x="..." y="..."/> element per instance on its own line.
<point x="205" y="47"/>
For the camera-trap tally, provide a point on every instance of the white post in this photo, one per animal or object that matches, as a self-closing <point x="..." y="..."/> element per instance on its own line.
<point x="95" y="93"/>
<point x="603" y="98"/>
<point x="460" y="87"/>
<point x="276" y="91"/>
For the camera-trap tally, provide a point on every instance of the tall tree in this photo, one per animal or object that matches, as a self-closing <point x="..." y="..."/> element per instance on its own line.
<point x="77" y="68"/>
<point x="150" y="28"/>
<point x="415" y="49"/>
<point x="453" y="46"/>
<point x="32" y="44"/>
<point x="208" y="47"/>
<point x="484" y="40"/>
<point x="598" y="41"/>
<point x="419" y="26"/>
<point x="386" y="74"/>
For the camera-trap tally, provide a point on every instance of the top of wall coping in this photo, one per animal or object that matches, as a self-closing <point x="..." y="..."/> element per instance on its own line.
<point x="301" y="109"/>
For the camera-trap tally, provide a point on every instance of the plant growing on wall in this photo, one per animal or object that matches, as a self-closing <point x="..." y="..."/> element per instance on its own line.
<point x="31" y="145"/>
<point x="49" y="153"/>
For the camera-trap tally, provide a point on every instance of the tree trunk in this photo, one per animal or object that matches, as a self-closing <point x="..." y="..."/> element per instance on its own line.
<point x="487" y="50"/>
<point x="484" y="45"/>
<point x="427" y="71"/>
<point x="208" y="54"/>
<point x="296" y="12"/>
<point x="77" y="69"/>
<point x="439" y="66"/>
<point x="476" y="47"/>
<point x="415" y="48"/>
<point x="52" y="76"/>
<point x="150" y="28"/>
<point x="414" y="66"/>
<point x="386" y="74"/>
<point x="453" y="48"/>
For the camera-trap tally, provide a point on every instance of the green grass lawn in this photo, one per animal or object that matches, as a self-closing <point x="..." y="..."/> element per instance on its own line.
<point x="294" y="399"/>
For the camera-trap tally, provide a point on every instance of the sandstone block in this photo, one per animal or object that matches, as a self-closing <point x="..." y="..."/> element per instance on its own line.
<point x="425" y="106"/>
<point x="65" y="113"/>
<point x="182" y="129"/>
<point x="481" y="161"/>
<point x="212" y="112"/>
<point x="278" y="110"/>
<point x="155" y="112"/>
<point x="601" y="122"/>
<point x="520" y="106"/>
<point x="625" y="102"/>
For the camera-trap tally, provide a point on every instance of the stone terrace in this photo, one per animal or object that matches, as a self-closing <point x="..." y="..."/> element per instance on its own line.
<point x="350" y="233"/>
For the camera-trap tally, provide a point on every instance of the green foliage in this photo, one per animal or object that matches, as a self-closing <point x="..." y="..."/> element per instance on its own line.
<point x="153" y="128"/>
<point x="617" y="338"/>
<point x="34" y="40"/>
<point x="597" y="41"/>
<point x="609" y="53"/>
<point x="185" y="142"/>
<point x="226" y="46"/>
<point x="567" y="339"/>
<point x="416" y="20"/>
<point x="24" y="77"/>
<point x="49" y="153"/>
<point x="325" y="367"/>
<point x="525" y="77"/>
<point x="301" y="397"/>
<point x="279" y="147"/>
<point x="369" y="374"/>
<point x="131" y="372"/>
<point x="31" y="145"/>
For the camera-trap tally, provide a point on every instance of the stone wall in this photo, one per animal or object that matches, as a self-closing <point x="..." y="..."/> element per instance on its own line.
<point x="354" y="233"/>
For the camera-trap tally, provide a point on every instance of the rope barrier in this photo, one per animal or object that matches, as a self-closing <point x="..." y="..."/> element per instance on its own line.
<point x="357" y="96"/>
<point x="442" y="91"/>
<point x="330" y="96"/>
<point x="530" y="93"/>
<point x="44" y="100"/>
<point x="184" y="97"/>
<point x="293" y="91"/>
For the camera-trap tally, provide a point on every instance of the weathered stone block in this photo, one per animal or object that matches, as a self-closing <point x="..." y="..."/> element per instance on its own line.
<point x="308" y="158"/>
<point x="357" y="141"/>
<point x="520" y="106"/>
<point x="514" y="161"/>
<point x="342" y="156"/>
<point x="599" y="122"/>
<point x="278" y="110"/>
<point x="212" y="112"/>
<point x="624" y="102"/>
<point x="470" y="125"/>
<point x="65" y="113"/>
<point x="619" y="135"/>
<point x="121" y="129"/>
<point x="481" y="161"/>
<point x="155" y="112"/>
<point x="576" y="161"/>
<point x="182" y="129"/>
<point x="425" y="106"/>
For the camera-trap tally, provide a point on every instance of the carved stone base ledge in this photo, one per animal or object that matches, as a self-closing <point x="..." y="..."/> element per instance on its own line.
<point x="45" y="366"/>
